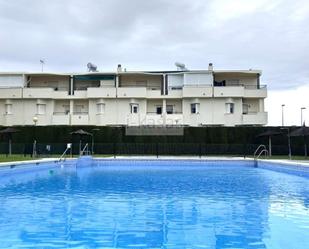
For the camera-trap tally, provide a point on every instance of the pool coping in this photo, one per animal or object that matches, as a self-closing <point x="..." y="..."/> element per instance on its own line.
<point x="209" y="158"/>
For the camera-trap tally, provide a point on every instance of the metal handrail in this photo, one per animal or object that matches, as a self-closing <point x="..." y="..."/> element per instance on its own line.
<point x="262" y="151"/>
<point x="84" y="150"/>
<point x="63" y="154"/>
<point x="260" y="146"/>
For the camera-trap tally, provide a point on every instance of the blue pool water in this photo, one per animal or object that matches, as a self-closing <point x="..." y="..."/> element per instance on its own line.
<point x="153" y="204"/>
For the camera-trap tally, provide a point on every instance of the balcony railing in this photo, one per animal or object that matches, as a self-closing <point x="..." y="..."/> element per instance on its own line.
<point x="80" y="113"/>
<point x="61" y="113"/>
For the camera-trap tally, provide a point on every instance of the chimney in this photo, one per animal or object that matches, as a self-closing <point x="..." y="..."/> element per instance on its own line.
<point x="119" y="68"/>
<point x="210" y="67"/>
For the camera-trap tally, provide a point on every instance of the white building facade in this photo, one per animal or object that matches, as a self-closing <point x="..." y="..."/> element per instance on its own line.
<point x="134" y="98"/>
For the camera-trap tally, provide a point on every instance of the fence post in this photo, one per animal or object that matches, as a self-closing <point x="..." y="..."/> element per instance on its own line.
<point x="157" y="150"/>
<point x="114" y="149"/>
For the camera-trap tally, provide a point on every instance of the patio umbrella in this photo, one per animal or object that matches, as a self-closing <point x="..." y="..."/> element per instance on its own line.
<point x="9" y="131"/>
<point x="81" y="133"/>
<point x="301" y="132"/>
<point x="269" y="134"/>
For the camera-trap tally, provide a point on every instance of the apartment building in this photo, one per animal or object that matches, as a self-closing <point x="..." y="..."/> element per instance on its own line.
<point x="134" y="98"/>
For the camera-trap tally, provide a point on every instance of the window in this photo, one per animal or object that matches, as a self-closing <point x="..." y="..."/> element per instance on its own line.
<point x="159" y="110"/>
<point x="40" y="109"/>
<point x="100" y="108"/>
<point x="8" y="108"/>
<point x="169" y="109"/>
<point x="245" y="109"/>
<point x="229" y="108"/>
<point x="66" y="109"/>
<point x="134" y="108"/>
<point x="195" y="108"/>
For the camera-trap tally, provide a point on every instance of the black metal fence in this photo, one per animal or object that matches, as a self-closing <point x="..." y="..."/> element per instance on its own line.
<point x="177" y="149"/>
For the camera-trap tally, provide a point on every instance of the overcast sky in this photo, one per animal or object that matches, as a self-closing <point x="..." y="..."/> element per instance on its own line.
<point x="152" y="34"/>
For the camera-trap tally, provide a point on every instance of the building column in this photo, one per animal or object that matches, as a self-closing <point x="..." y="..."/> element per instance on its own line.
<point x="164" y="111"/>
<point x="71" y="110"/>
<point x="117" y="80"/>
<point x="261" y="105"/>
<point x="71" y="85"/>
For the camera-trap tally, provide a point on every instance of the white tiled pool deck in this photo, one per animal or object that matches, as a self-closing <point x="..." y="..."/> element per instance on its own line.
<point x="208" y="158"/>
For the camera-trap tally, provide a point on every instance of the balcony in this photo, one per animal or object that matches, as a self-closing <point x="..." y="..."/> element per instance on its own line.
<point x="80" y="94"/>
<point x="259" y="118"/>
<point x="132" y="92"/>
<point x="160" y="119"/>
<point x="80" y="118"/>
<point x="10" y="93"/>
<point x="174" y="119"/>
<point x="101" y="92"/>
<point x="174" y="93"/>
<point x="44" y="93"/>
<point x="153" y="119"/>
<point x="60" y="118"/>
<point x="256" y="93"/>
<point x="154" y="93"/>
<point x="197" y="91"/>
<point x="228" y="91"/>
<point x="38" y="93"/>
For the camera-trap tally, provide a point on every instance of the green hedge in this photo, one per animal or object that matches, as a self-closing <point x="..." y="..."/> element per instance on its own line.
<point x="208" y="135"/>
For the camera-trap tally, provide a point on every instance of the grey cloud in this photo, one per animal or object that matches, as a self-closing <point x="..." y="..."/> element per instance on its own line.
<point x="153" y="34"/>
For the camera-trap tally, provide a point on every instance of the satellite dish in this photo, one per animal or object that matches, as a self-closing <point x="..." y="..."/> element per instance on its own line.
<point x="91" y="67"/>
<point x="180" y="66"/>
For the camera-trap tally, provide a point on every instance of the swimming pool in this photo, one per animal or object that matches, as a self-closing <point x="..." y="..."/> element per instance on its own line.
<point x="154" y="204"/>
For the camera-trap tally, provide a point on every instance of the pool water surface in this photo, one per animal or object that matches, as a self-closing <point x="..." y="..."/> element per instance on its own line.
<point x="153" y="204"/>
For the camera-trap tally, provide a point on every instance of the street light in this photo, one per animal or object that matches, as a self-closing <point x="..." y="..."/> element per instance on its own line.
<point x="35" y="120"/>
<point x="289" y="141"/>
<point x="282" y="114"/>
<point x="301" y="115"/>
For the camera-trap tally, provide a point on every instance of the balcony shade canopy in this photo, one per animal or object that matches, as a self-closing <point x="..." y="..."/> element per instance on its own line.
<point x="9" y="131"/>
<point x="269" y="133"/>
<point x="81" y="133"/>
<point x="302" y="131"/>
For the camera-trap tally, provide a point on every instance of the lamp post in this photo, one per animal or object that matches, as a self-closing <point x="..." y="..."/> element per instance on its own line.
<point x="301" y="115"/>
<point x="289" y="142"/>
<point x="282" y="114"/>
<point x="35" y="120"/>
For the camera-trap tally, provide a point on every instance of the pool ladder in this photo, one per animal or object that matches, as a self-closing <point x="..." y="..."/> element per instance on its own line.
<point x="258" y="152"/>
<point x="85" y="151"/>
<point x="63" y="155"/>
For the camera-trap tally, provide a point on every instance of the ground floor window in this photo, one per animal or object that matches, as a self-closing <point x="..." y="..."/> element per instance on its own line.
<point x="134" y="108"/>
<point x="159" y="109"/>
<point x="100" y="108"/>
<point x="245" y="108"/>
<point x="169" y="109"/>
<point x="8" y="108"/>
<point x="41" y="109"/>
<point x="229" y="108"/>
<point x="195" y="108"/>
